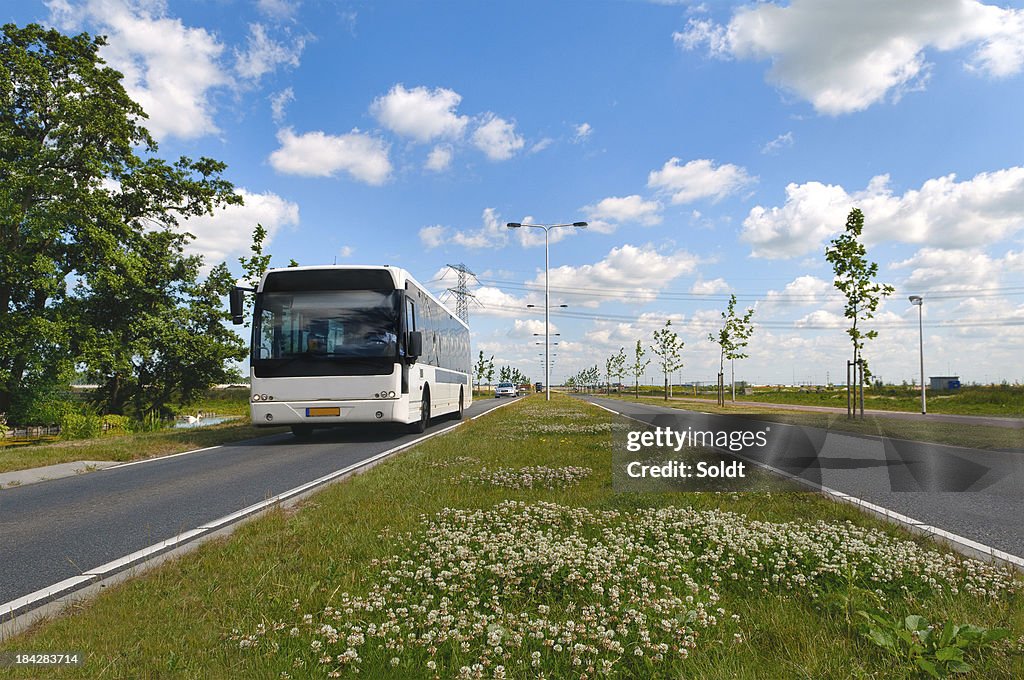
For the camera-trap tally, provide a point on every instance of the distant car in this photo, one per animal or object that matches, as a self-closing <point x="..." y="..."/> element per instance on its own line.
<point x="505" y="389"/>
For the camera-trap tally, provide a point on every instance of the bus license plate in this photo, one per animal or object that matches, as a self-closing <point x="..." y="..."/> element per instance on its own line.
<point x="323" y="411"/>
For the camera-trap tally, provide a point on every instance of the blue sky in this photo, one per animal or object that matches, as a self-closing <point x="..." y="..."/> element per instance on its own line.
<point x="715" y="148"/>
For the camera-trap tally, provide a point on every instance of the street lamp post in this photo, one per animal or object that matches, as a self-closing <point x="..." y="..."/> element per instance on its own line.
<point x="547" y="228"/>
<point x="918" y="301"/>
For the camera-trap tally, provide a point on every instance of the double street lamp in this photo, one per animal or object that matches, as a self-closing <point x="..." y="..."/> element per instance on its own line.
<point x="547" y="305"/>
<point x="918" y="302"/>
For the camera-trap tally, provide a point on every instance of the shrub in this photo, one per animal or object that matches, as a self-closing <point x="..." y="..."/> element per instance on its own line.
<point x="114" y="424"/>
<point x="80" y="425"/>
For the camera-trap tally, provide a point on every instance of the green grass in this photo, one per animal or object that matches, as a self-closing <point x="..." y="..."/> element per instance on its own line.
<point x="230" y="401"/>
<point x="953" y="434"/>
<point x="986" y="400"/>
<point x="178" y="621"/>
<point x="24" y="454"/>
<point x="126" y="447"/>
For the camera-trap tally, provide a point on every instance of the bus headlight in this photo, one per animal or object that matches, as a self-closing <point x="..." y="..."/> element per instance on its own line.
<point x="255" y="397"/>
<point x="391" y="394"/>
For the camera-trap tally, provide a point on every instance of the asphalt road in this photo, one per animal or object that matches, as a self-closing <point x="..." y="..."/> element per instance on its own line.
<point x="977" y="494"/>
<point x="62" y="528"/>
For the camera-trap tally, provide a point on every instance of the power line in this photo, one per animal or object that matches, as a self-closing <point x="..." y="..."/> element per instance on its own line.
<point x="788" y="325"/>
<point x="772" y="296"/>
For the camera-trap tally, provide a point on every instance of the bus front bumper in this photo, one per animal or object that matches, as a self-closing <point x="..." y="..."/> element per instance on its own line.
<point x="270" y="413"/>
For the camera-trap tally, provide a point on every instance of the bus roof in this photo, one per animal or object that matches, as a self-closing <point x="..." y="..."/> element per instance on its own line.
<point x="400" y="277"/>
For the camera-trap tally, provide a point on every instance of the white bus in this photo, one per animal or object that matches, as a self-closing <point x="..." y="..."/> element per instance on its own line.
<point x="353" y="344"/>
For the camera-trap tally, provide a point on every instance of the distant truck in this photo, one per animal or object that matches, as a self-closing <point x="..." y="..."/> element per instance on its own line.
<point x="538" y="387"/>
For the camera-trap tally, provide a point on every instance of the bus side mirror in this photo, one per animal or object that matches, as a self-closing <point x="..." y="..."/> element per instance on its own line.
<point x="235" y="299"/>
<point x="415" y="345"/>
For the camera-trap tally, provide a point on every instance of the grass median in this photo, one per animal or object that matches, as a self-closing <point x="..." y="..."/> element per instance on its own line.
<point x="500" y="550"/>
<point x="978" y="400"/>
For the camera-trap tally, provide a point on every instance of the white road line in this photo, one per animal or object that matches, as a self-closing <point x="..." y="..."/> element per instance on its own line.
<point x="49" y="592"/>
<point x="510" y="401"/>
<point x="962" y="544"/>
<point x="151" y="460"/>
<point x="105" y="569"/>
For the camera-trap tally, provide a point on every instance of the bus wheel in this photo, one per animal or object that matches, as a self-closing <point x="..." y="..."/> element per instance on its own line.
<point x="421" y="424"/>
<point x="462" y="405"/>
<point x="302" y="431"/>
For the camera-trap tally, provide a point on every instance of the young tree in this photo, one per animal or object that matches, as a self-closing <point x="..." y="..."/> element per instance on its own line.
<point x="732" y="340"/>
<point x="505" y="374"/>
<point x="481" y="366"/>
<point x="638" y="367"/>
<point x="254" y="268"/>
<point x="616" y="367"/>
<point x="854" y="276"/>
<point x="80" y="183"/>
<point x="490" y="370"/>
<point x="668" y="345"/>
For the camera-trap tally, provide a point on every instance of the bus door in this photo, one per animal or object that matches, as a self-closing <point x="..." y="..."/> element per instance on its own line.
<point x="412" y="374"/>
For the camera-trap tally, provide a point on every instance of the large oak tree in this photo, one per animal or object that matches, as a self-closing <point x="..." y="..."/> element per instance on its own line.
<point x="85" y="204"/>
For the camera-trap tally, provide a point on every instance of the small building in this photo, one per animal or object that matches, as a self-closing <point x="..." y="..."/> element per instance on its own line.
<point x="944" y="382"/>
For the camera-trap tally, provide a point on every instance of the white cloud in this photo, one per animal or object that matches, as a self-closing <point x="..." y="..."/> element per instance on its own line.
<point x="698" y="179"/>
<point x="263" y="54"/>
<point x="228" y="232"/>
<point x="317" y="154"/>
<point x="541" y="145"/>
<point x="497" y="138"/>
<point x="496" y="302"/>
<point x="801" y="291"/>
<point x="279" y="101"/>
<point x="628" y="273"/>
<point x="937" y="269"/>
<point x="704" y="287"/>
<point x="844" y="57"/>
<point x="346" y="251"/>
<point x="527" y="328"/>
<point x="606" y="337"/>
<point x="278" y="9"/>
<point x="439" y="158"/>
<point x="610" y="212"/>
<point x="432" y="236"/>
<point x="781" y="142"/>
<point x="420" y="113"/>
<point x="943" y="213"/>
<point x="491" y="235"/>
<point x="169" y="68"/>
<point x="582" y="133"/>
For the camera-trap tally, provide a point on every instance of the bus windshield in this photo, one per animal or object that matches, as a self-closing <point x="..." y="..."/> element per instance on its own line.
<point x="350" y="324"/>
